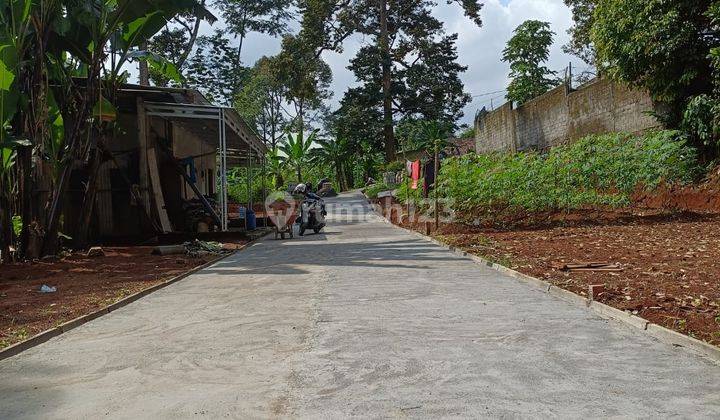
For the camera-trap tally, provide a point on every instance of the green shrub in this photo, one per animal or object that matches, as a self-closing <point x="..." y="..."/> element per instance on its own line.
<point x="597" y="170"/>
<point x="395" y="166"/>
<point x="405" y="193"/>
<point x="372" y="190"/>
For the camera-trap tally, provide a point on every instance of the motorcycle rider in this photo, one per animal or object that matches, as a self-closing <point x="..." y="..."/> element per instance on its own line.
<point x="302" y="189"/>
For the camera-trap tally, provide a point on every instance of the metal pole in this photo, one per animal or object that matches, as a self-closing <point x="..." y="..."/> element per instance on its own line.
<point x="249" y="186"/>
<point x="223" y="176"/>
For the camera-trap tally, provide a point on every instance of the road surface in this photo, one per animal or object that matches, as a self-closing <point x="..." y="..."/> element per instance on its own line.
<point x="364" y="320"/>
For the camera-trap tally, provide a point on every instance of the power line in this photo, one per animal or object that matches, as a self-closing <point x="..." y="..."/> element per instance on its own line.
<point x="489" y="93"/>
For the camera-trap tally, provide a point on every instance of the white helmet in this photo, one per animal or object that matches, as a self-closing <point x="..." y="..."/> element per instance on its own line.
<point x="300" y="189"/>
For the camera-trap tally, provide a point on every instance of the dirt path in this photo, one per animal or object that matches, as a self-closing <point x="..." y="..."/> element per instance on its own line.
<point x="363" y="320"/>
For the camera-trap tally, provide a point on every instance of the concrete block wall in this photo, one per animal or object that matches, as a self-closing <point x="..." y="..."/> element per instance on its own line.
<point x="560" y="116"/>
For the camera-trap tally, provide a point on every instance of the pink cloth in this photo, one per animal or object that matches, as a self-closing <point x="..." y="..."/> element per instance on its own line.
<point x="415" y="174"/>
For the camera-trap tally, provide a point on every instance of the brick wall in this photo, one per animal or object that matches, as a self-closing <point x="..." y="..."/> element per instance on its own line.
<point x="559" y="117"/>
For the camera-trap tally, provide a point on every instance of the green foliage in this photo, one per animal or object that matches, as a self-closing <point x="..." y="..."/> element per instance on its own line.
<point x="659" y="45"/>
<point x="468" y="133"/>
<point x="305" y="75"/>
<point x="262" y="16"/>
<point x="373" y="190"/>
<point x="580" y="44"/>
<point x="405" y="193"/>
<point x="526" y="52"/>
<point x="296" y="151"/>
<point x="597" y="170"/>
<point x="425" y="72"/>
<point x="238" y="186"/>
<point x="334" y="154"/>
<point x="701" y="120"/>
<point x="260" y="101"/>
<point x="17" y="225"/>
<point x="395" y="166"/>
<point x="423" y="134"/>
<point x="213" y="69"/>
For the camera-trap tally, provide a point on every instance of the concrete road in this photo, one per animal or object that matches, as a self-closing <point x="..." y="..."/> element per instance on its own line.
<point x="364" y="320"/>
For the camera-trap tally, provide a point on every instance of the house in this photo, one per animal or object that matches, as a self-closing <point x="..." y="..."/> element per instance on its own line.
<point x="168" y="164"/>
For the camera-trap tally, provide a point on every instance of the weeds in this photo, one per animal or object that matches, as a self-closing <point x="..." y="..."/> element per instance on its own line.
<point x="599" y="170"/>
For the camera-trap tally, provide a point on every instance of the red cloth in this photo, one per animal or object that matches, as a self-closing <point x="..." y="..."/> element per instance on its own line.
<point x="415" y="175"/>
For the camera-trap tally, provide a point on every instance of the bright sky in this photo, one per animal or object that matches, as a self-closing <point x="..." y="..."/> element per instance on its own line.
<point x="479" y="48"/>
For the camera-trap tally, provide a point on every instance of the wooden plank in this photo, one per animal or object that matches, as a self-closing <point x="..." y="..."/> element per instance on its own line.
<point x="159" y="199"/>
<point x="103" y="204"/>
<point x="143" y="143"/>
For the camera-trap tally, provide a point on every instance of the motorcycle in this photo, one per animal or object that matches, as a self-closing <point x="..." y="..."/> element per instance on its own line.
<point x="312" y="215"/>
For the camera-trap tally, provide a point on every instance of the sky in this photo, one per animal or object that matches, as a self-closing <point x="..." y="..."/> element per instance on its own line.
<point x="479" y="48"/>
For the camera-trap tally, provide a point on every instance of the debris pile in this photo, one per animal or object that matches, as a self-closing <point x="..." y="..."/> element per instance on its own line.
<point x="197" y="248"/>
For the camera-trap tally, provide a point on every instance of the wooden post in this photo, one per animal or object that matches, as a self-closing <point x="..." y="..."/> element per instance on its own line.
<point x="435" y="185"/>
<point x="143" y="139"/>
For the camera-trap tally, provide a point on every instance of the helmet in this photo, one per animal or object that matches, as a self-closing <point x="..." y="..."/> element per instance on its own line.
<point x="300" y="189"/>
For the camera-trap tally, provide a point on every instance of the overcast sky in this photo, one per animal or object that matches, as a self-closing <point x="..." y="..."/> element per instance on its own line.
<point x="479" y="49"/>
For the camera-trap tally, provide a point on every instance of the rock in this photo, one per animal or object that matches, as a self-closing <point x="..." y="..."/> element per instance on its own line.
<point x="95" y="252"/>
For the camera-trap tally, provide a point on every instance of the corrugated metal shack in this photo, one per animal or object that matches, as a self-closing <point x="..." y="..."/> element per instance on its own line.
<point x="169" y="165"/>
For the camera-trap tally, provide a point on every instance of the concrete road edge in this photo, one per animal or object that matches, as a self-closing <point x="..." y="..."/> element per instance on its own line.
<point x="608" y="312"/>
<point x="46" y="335"/>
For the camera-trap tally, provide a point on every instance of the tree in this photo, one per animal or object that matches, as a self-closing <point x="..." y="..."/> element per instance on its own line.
<point x="526" y="52"/>
<point x="260" y="102"/>
<point x="659" y="45"/>
<point x="276" y="165"/>
<point x="297" y="151"/>
<point x="61" y="64"/>
<point x="334" y="154"/>
<point x="263" y="16"/>
<point x="212" y="69"/>
<point x="409" y="59"/>
<point x="176" y="43"/>
<point x="580" y="44"/>
<point x="359" y="123"/>
<point x="306" y="76"/>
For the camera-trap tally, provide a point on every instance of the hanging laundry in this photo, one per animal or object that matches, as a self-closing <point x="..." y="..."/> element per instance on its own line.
<point x="415" y="174"/>
<point x="429" y="178"/>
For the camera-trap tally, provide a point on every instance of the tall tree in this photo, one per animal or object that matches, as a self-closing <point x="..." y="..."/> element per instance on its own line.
<point x="405" y="37"/>
<point x="264" y="16"/>
<point x="580" y="44"/>
<point x="176" y="42"/>
<point x="526" y="52"/>
<point x="212" y="69"/>
<point x="660" y="45"/>
<point x="261" y="100"/>
<point x="307" y="79"/>
<point x="335" y="155"/>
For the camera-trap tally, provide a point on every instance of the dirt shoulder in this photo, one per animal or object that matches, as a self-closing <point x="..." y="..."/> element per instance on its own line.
<point x="84" y="285"/>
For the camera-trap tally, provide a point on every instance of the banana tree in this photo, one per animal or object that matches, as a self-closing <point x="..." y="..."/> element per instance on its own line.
<point x="335" y="154"/>
<point x="296" y="150"/>
<point x="8" y="154"/>
<point x="276" y="165"/>
<point x="98" y="33"/>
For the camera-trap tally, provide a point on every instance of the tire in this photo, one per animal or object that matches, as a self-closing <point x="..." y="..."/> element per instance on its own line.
<point x="282" y="236"/>
<point x="317" y="230"/>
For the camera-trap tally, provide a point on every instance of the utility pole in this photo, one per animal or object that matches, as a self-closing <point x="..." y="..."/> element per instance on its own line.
<point x="388" y="133"/>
